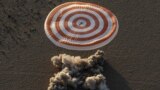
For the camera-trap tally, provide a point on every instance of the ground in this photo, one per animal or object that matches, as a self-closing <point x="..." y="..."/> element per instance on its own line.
<point x="133" y="57"/>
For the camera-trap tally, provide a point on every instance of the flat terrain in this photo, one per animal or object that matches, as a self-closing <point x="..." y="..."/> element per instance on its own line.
<point x="133" y="57"/>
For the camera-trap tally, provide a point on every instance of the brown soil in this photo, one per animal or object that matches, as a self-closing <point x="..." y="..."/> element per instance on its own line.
<point x="133" y="57"/>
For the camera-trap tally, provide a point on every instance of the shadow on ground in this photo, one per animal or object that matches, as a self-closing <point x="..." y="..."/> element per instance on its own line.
<point x="114" y="80"/>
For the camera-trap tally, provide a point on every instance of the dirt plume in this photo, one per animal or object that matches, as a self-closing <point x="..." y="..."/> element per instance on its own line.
<point x="78" y="73"/>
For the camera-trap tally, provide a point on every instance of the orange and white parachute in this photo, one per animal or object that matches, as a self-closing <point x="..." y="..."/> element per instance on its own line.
<point x="81" y="26"/>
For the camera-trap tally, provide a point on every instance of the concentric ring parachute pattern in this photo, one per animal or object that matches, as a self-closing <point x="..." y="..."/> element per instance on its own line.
<point x="81" y="26"/>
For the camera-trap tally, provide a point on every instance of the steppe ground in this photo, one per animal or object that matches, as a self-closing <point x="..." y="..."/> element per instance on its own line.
<point x="133" y="57"/>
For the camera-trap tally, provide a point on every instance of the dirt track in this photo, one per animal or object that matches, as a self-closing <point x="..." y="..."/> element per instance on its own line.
<point x="133" y="57"/>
